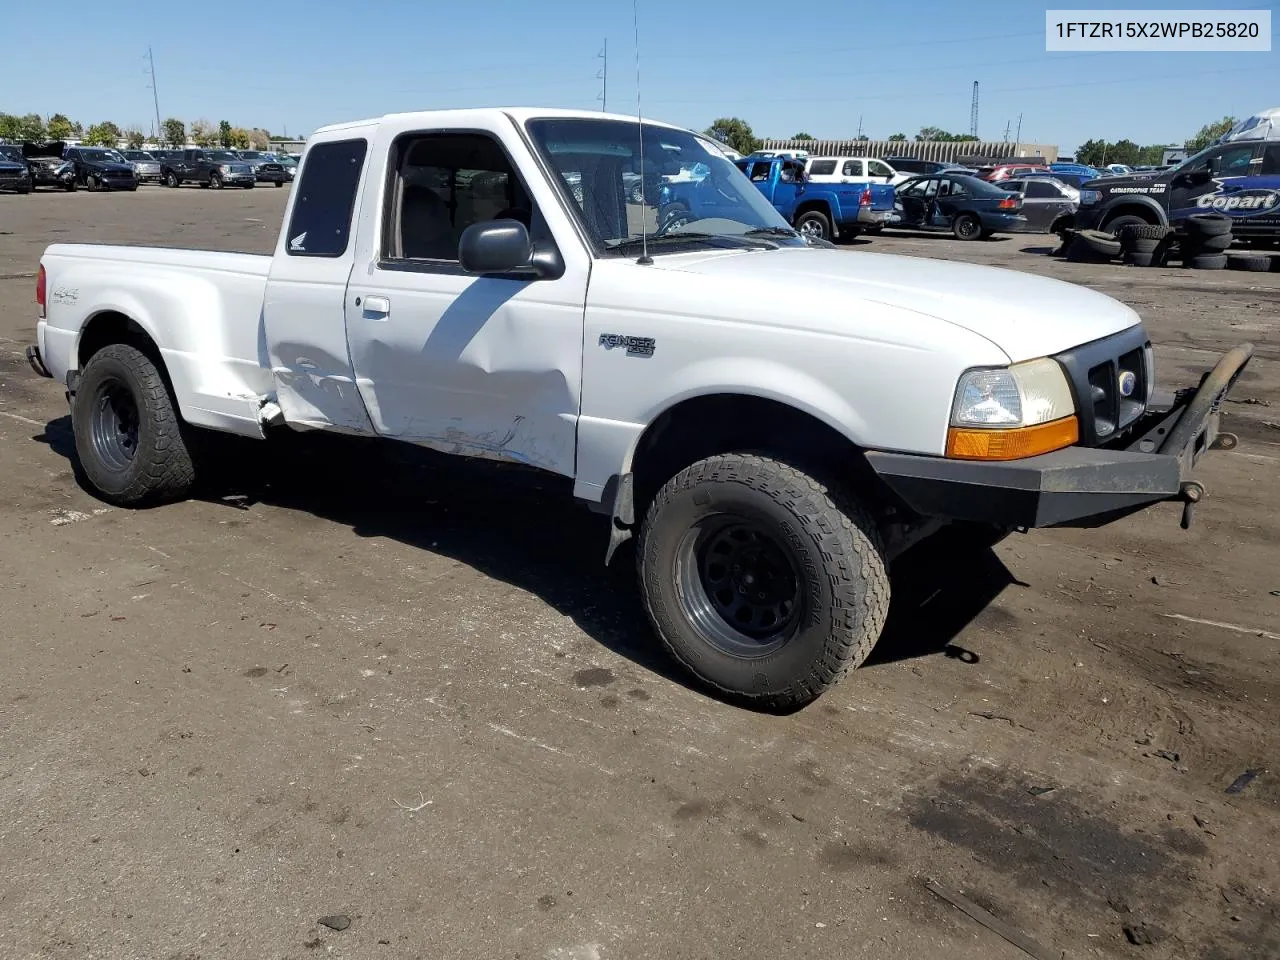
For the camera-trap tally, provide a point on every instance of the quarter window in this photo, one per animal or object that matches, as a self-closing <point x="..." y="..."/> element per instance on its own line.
<point x="326" y="198"/>
<point x="852" y="168"/>
<point x="1271" y="160"/>
<point x="1040" y="190"/>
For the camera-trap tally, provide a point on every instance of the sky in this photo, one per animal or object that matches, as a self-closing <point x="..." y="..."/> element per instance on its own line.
<point x="782" y="67"/>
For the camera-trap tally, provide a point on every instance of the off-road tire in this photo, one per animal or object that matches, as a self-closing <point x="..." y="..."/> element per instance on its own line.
<point x="161" y="469"/>
<point x="1207" y="225"/>
<point x="1206" y="261"/>
<point x="1214" y="244"/>
<point x="1252" y="263"/>
<point x="1117" y="225"/>
<point x="1145" y="231"/>
<point x="844" y="592"/>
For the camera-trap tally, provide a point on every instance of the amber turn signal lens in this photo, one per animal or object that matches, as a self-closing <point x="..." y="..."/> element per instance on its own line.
<point x="1013" y="444"/>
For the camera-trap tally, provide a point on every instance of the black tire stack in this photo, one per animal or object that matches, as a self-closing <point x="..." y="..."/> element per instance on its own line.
<point x="1093" y="246"/>
<point x="1144" y="245"/>
<point x="1251" y="262"/>
<point x="1205" y="242"/>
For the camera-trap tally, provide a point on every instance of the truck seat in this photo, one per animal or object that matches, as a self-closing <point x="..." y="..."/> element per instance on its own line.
<point x="426" y="230"/>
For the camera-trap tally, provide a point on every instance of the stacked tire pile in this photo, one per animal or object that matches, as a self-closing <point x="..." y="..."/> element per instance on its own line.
<point x="1204" y="246"/>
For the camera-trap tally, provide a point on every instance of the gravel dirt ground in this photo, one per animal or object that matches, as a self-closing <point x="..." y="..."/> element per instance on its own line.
<point x="403" y="690"/>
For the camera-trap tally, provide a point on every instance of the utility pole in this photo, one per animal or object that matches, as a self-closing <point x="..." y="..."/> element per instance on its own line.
<point x="603" y="76"/>
<point x="973" y="112"/>
<point x="155" y="94"/>
<point x="1018" y="135"/>
<point x="1007" y="125"/>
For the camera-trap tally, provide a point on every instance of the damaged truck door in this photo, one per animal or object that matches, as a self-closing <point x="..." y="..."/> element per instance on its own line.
<point x="482" y="365"/>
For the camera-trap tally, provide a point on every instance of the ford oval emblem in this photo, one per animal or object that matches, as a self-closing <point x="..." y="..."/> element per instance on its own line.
<point x="1128" y="381"/>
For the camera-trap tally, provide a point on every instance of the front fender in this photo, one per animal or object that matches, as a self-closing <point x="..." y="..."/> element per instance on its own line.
<point x="1134" y="200"/>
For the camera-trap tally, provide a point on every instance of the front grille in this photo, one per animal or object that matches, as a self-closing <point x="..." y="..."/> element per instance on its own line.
<point x="1097" y="371"/>
<point x="12" y="174"/>
<point x="120" y="174"/>
<point x="272" y="167"/>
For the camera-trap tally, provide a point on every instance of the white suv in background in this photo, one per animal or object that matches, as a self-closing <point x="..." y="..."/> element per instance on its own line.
<point x="852" y="170"/>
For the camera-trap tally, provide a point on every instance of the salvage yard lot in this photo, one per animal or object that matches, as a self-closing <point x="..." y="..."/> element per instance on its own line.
<point x="402" y="689"/>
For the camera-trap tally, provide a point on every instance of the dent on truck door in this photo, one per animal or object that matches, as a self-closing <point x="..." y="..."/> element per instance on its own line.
<point x="485" y="366"/>
<point x="304" y="325"/>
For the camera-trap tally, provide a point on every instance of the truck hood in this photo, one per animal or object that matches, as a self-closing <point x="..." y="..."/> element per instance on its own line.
<point x="1025" y="316"/>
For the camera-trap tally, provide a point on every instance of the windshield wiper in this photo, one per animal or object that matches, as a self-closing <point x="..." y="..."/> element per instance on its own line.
<point x="772" y="232"/>
<point x="686" y="236"/>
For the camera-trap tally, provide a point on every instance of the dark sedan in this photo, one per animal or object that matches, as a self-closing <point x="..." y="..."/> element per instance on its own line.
<point x="967" y="207"/>
<point x="1048" y="205"/>
<point x="99" y="168"/>
<point x="14" y="175"/>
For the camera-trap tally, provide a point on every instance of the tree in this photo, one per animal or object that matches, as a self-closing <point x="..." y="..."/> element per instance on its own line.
<point x="259" y="139"/>
<point x="77" y="128"/>
<point x="31" y="127"/>
<point x="175" y="132"/>
<point x="734" y="132"/>
<point x="1209" y="133"/>
<point x="239" y="138"/>
<point x="897" y="137"/>
<point x="1092" y="153"/>
<point x="804" y="136"/>
<point x="203" y="133"/>
<point x="135" y="138"/>
<point x="103" y="134"/>
<point x="60" y="127"/>
<point x="938" y="135"/>
<point x="224" y="133"/>
<point x="9" y="126"/>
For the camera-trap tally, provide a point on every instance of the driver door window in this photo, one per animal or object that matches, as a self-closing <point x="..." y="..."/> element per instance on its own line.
<point x="1233" y="162"/>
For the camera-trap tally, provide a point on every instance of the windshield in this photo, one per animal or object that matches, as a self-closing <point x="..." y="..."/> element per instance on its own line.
<point x="686" y="192"/>
<point x="225" y="156"/>
<point x="1196" y="158"/>
<point x="139" y="155"/>
<point x="10" y="153"/>
<point x="102" y="156"/>
<point x="251" y="155"/>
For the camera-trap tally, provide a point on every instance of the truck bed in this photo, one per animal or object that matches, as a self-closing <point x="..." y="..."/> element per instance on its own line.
<point x="215" y="353"/>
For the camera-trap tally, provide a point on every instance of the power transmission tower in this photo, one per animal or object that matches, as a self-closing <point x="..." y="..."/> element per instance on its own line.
<point x="859" y="126"/>
<point x="1007" y="125"/>
<point x="973" y="112"/>
<point x="155" y="94"/>
<point x="603" y="76"/>
<point x="1018" y="136"/>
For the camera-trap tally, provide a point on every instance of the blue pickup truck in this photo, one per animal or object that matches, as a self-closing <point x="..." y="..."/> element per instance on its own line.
<point x="826" y="211"/>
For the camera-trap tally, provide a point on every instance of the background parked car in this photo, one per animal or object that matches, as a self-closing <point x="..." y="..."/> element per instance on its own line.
<point x="914" y="167"/>
<point x="266" y="166"/>
<point x="966" y="206"/>
<point x="48" y="166"/>
<point x="15" y="177"/>
<point x="209" y="168"/>
<point x="98" y="168"/>
<point x="1003" y="171"/>
<point x="1048" y="205"/>
<point x="145" y="166"/>
<point x="290" y="165"/>
<point x="1077" y="170"/>
<point x="852" y="170"/>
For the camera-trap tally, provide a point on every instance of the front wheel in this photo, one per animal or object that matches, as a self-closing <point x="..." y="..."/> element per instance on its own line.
<point x="814" y="223"/>
<point x="279" y="183"/>
<point x="765" y="582"/>
<point x="129" y="439"/>
<point x="967" y="227"/>
<point x="171" y="180"/>
<point x="215" y="181"/>
<point x="90" y="183"/>
<point x="71" y="186"/>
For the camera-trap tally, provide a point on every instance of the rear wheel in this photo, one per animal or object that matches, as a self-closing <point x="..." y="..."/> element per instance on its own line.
<point x="814" y="223"/>
<point x="280" y="183"/>
<point x="764" y="581"/>
<point x="129" y="438"/>
<point x="967" y="227"/>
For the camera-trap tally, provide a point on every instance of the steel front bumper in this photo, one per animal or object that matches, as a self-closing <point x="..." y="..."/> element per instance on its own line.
<point x="1077" y="486"/>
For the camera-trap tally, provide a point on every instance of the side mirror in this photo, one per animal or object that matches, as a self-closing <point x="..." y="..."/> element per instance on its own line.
<point x="495" y="246"/>
<point x="503" y="247"/>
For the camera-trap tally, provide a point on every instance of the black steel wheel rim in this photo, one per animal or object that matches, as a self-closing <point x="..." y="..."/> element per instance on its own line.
<point x="113" y="425"/>
<point x="968" y="227"/>
<point x="740" y="585"/>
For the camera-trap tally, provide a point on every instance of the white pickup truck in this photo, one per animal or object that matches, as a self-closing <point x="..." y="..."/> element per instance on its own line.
<point x="776" y="419"/>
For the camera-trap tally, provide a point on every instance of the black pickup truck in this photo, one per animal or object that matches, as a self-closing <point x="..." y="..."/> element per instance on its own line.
<point x="209" y="168"/>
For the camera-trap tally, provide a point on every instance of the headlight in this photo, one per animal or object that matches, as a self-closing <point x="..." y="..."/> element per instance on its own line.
<point x="1012" y="412"/>
<point x="1088" y="197"/>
